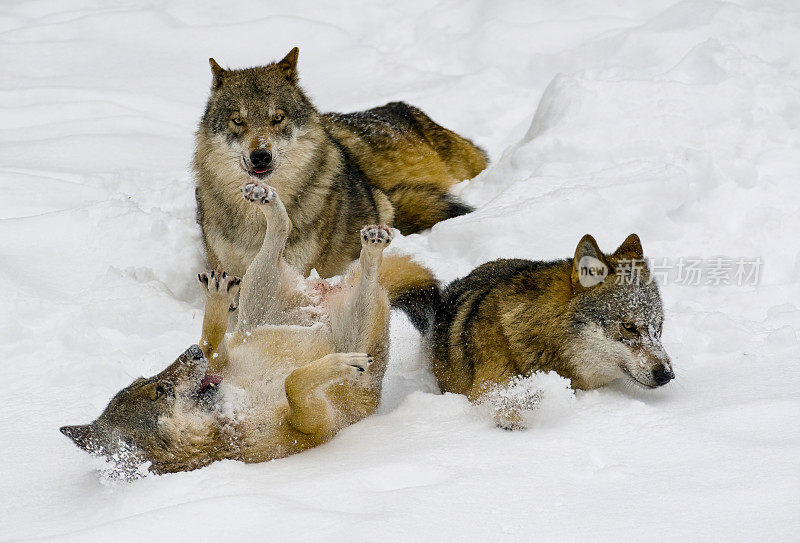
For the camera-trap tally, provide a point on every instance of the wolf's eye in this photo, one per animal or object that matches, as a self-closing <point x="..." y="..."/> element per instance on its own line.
<point x="160" y="392"/>
<point x="277" y="118"/>
<point x="237" y="121"/>
<point x="629" y="327"/>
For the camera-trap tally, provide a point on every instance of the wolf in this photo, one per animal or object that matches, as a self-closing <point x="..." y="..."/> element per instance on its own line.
<point x="335" y="172"/>
<point x="305" y="359"/>
<point x="588" y="318"/>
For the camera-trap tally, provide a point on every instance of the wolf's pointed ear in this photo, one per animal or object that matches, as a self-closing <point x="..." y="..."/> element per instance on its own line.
<point x="81" y="434"/>
<point x="289" y="64"/>
<point x="631" y="248"/>
<point x="589" y="265"/>
<point x="218" y="72"/>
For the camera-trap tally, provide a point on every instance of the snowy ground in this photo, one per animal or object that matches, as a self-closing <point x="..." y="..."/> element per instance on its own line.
<point x="678" y="121"/>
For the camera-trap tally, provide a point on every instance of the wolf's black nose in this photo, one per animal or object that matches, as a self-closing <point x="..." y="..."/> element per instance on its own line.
<point x="662" y="376"/>
<point x="195" y="352"/>
<point x="260" y="158"/>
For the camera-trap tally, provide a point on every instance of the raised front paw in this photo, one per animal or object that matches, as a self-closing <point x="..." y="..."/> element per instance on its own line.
<point x="376" y="235"/>
<point x="259" y="193"/>
<point x="217" y="283"/>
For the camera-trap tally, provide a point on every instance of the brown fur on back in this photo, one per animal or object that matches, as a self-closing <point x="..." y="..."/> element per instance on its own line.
<point x="411" y="158"/>
<point x="490" y="327"/>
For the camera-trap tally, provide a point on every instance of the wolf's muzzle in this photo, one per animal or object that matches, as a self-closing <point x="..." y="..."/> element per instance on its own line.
<point x="261" y="160"/>
<point x="662" y="375"/>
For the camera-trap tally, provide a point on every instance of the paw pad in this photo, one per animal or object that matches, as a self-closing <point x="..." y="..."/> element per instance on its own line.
<point x="219" y="282"/>
<point x="259" y="192"/>
<point x="376" y="235"/>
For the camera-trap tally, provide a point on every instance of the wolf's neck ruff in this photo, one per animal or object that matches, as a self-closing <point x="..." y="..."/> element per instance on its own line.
<point x="233" y="230"/>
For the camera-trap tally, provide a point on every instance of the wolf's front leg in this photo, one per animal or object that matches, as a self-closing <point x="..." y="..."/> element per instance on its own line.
<point x="269" y="283"/>
<point x="490" y="387"/>
<point x="221" y="290"/>
<point x="311" y="409"/>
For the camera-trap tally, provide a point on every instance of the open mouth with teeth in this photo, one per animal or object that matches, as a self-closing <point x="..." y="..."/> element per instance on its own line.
<point x="208" y="386"/>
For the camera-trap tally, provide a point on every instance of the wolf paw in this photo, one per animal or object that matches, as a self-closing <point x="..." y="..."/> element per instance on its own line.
<point x="347" y="366"/>
<point x="509" y="420"/>
<point x="218" y="283"/>
<point x="376" y="235"/>
<point x="259" y="193"/>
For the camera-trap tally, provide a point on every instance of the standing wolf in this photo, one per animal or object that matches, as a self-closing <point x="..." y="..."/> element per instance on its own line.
<point x="335" y="172"/>
<point x="586" y="318"/>
<point x="305" y="359"/>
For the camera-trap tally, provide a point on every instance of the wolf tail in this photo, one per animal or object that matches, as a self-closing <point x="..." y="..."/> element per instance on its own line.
<point x="418" y="208"/>
<point x="412" y="288"/>
<point x="422" y="202"/>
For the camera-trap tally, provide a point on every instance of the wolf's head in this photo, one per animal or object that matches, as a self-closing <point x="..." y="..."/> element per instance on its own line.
<point x="255" y="115"/>
<point x="142" y="419"/>
<point x="617" y="315"/>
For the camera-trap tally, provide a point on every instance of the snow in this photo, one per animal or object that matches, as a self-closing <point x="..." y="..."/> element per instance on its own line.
<point x="675" y="120"/>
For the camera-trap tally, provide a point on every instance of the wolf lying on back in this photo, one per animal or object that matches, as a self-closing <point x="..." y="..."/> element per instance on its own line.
<point x="295" y="368"/>
<point x="510" y="318"/>
<point x="335" y="172"/>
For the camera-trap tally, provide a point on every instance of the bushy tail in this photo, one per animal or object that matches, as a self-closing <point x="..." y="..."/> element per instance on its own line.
<point x="412" y="288"/>
<point x="418" y="208"/>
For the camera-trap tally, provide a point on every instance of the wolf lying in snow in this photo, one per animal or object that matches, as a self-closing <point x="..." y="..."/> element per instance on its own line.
<point x="584" y="318"/>
<point x="305" y="359"/>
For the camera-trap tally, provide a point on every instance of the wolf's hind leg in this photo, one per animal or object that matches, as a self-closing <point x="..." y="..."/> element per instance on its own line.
<point x="359" y="324"/>
<point x="270" y="284"/>
<point x="221" y="290"/>
<point x="359" y="317"/>
<point x="310" y="408"/>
